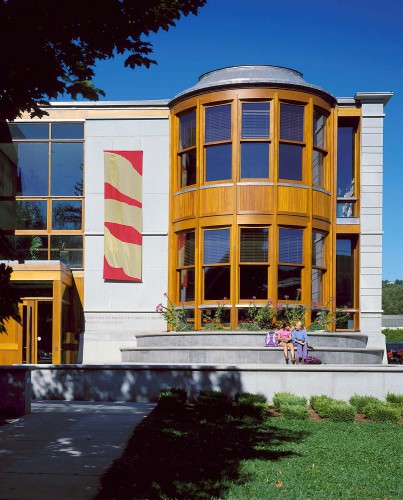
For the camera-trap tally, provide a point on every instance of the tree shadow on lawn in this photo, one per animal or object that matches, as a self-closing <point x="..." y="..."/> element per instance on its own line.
<point x="185" y="454"/>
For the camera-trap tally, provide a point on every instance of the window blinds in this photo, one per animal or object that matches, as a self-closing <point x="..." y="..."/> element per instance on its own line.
<point x="218" y="123"/>
<point x="255" y="120"/>
<point x="216" y="246"/>
<point x="187" y="130"/>
<point x="255" y="245"/>
<point x="290" y="246"/>
<point x="291" y="122"/>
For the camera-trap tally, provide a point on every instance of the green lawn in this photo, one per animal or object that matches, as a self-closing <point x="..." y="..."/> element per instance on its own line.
<point x="183" y="455"/>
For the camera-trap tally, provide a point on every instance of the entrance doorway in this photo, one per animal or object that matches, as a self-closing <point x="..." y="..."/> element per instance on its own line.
<point x="37" y="333"/>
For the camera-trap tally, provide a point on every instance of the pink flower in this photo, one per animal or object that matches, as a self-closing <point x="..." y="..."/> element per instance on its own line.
<point x="270" y="301"/>
<point x="254" y="297"/>
<point x="332" y="298"/>
<point x="299" y="290"/>
<point x="286" y="297"/>
<point x="225" y="298"/>
<point x="315" y="304"/>
<point x="165" y="294"/>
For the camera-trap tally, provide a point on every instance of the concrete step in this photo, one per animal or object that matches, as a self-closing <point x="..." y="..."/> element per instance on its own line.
<point x="245" y="355"/>
<point x="243" y="339"/>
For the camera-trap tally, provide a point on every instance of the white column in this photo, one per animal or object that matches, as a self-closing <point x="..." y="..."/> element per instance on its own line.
<point x="371" y="214"/>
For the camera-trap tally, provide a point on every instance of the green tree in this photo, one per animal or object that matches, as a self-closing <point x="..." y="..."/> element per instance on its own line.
<point x="392" y="297"/>
<point x="50" y="47"/>
<point x="9" y="298"/>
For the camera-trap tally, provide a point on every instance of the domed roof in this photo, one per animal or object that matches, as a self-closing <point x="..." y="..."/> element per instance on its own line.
<point x="251" y="76"/>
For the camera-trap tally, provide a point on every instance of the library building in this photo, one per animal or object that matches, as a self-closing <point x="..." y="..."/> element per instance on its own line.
<point x="252" y="185"/>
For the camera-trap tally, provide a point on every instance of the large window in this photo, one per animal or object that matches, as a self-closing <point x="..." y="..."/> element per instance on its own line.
<point x="290" y="262"/>
<point x="345" y="272"/>
<point x="42" y="192"/>
<point x="186" y="266"/>
<point x="216" y="264"/>
<point x="346" y="189"/>
<point x="254" y="258"/>
<point x="218" y="147"/>
<point x="319" y="148"/>
<point x="318" y="266"/>
<point x="187" y="149"/>
<point x="291" y="142"/>
<point x="255" y="136"/>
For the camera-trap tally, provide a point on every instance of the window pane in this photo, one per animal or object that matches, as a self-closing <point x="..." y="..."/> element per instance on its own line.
<point x="317" y="169"/>
<point x="255" y="160"/>
<point x="188" y="168"/>
<point x="255" y="245"/>
<point x="290" y="246"/>
<point x="29" y="131"/>
<point x="345" y="161"/>
<point x="187" y="130"/>
<point x="187" y="285"/>
<point x="8" y="216"/>
<point x="345" y="209"/>
<point x="218" y="123"/>
<point x="67" y="249"/>
<point x="67" y="169"/>
<point x="317" y="285"/>
<point x="67" y="215"/>
<point x="31" y="247"/>
<point x="291" y="122"/>
<point x="31" y="214"/>
<point x="186" y="249"/>
<point x="216" y="246"/>
<point x="218" y="163"/>
<point x="344" y="273"/>
<point x="253" y="282"/>
<point x="67" y="130"/>
<point x="9" y="179"/>
<point x="216" y="282"/>
<point x="33" y="169"/>
<point x="255" y="120"/>
<point x="319" y="128"/>
<point x="290" y="162"/>
<point x="318" y="242"/>
<point x="289" y="280"/>
<point x="208" y="316"/>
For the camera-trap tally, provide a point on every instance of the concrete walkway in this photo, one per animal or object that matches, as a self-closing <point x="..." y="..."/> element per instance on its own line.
<point x="62" y="448"/>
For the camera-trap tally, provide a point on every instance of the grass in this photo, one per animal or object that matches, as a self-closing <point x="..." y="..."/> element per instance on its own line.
<point x="182" y="455"/>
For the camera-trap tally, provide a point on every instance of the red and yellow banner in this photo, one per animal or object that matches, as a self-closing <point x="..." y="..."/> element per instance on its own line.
<point x="123" y="224"/>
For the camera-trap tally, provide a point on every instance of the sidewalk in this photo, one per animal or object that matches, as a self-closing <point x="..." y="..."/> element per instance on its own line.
<point x="61" y="449"/>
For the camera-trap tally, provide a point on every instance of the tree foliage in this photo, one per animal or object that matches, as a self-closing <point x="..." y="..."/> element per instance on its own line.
<point x="392" y="297"/>
<point x="9" y="298"/>
<point x="50" y="47"/>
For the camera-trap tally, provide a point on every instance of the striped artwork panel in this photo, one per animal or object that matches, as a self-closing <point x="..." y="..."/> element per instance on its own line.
<point x="123" y="223"/>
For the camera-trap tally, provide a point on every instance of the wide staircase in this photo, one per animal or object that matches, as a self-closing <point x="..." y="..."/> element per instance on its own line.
<point x="245" y="348"/>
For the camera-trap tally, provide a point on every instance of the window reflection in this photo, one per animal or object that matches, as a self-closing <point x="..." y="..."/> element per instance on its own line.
<point x="254" y="160"/>
<point x="66" y="215"/>
<point x="67" y="169"/>
<point x="67" y="249"/>
<point x="67" y="130"/>
<point x="30" y="214"/>
<point x="218" y="162"/>
<point x="33" y="169"/>
<point x="290" y="162"/>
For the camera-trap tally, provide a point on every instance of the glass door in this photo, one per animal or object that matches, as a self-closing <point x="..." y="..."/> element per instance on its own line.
<point x="37" y="331"/>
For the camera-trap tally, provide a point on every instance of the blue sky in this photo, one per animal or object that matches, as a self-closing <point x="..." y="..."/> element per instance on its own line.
<point x="343" y="46"/>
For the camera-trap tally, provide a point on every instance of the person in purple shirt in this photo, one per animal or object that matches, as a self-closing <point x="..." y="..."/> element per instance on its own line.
<point x="300" y="341"/>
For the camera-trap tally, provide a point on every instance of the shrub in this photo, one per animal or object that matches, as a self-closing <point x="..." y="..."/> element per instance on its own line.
<point x="339" y="411"/>
<point x="393" y="334"/>
<point x="251" y="405"/>
<point x="321" y="404"/>
<point x="382" y="412"/>
<point x="396" y="399"/>
<point x="287" y="398"/>
<point x="172" y="397"/>
<point x="297" y="412"/>
<point x="360" y="402"/>
<point x="212" y="404"/>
